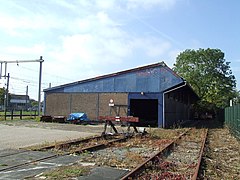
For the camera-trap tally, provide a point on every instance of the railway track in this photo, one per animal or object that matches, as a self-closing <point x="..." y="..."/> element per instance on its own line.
<point x="59" y="145"/>
<point x="63" y="144"/>
<point x="140" y="157"/>
<point x="90" y="144"/>
<point x="178" y="160"/>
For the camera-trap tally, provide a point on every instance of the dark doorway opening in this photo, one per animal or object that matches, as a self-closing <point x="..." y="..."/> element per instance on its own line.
<point x="146" y="110"/>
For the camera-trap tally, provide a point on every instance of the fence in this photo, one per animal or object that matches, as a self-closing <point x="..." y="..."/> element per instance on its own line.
<point x="18" y="114"/>
<point x="232" y="119"/>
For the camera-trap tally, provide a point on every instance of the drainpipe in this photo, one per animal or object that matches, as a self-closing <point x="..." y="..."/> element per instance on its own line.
<point x="185" y="83"/>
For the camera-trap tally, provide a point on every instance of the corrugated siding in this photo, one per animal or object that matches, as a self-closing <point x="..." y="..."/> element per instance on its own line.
<point x="232" y="119"/>
<point x="155" y="79"/>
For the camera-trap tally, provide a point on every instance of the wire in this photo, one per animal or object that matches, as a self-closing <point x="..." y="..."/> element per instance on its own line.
<point x="52" y="75"/>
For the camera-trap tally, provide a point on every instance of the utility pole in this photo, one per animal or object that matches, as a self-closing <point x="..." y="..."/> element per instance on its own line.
<point x="6" y="98"/>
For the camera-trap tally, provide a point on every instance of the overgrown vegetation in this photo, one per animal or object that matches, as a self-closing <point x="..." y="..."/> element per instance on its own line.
<point x="166" y="133"/>
<point x="222" y="157"/>
<point x="66" y="172"/>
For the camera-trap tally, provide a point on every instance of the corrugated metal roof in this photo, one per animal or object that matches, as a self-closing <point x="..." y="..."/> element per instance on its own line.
<point x="18" y="96"/>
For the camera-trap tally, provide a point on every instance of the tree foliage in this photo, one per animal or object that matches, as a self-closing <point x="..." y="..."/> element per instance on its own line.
<point x="209" y="75"/>
<point x="2" y="93"/>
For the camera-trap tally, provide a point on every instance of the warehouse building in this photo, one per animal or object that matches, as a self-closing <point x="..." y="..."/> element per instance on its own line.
<point x="19" y="102"/>
<point x="154" y="93"/>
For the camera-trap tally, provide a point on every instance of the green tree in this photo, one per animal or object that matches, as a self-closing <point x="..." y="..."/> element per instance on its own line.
<point x="209" y="75"/>
<point x="2" y="93"/>
<point x="33" y="102"/>
<point x="236" y="100"/>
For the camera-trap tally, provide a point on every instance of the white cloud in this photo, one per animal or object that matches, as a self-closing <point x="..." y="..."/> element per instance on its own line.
<point x="25" y="26"/>
<point x="81" y="39"/>
<point x="106" y="4"/>
<point x="157" y="50"/>
<point x="147" y="4"/>
<point x="89" y="49"/>
<point x="21" y="50"/>
<point x="151" y="46"/>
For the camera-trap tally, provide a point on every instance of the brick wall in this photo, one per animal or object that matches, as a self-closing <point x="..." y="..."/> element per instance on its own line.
<point x="119" y="99"/>
<point x="93" y="104"/>
<point x="84" y="102"/>
<point x="57" y="104"/>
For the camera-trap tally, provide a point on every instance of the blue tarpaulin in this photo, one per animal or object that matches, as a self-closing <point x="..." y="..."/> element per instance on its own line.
<point x="77" y="117"/>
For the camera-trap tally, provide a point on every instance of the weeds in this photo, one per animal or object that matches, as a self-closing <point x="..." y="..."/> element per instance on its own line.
<point x="66" y="172"/>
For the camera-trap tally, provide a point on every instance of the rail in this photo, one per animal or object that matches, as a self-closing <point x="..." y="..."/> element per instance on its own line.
<point x="160" y="159"/>
<point x="78" y="151"/>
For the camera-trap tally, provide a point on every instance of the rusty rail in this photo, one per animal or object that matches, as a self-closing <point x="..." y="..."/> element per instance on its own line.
<point x="133" y="174"/>
<point x="135" y="171"/>
<point x="80" y="150"/>
<point x="200" y="154"/>
<point x="60" y="144"/>
<point x="98" y="146"/>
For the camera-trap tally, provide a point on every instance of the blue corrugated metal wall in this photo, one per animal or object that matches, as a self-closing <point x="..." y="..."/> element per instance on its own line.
<point x="155" y="79"/>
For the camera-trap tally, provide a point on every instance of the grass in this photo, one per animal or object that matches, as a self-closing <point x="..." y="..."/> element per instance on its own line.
<point x="66" y="172"/>
<point x="3" y="165"/>
<point x="43" y="145"/>
<point x="221" y="160"/>
<point x="166" y="133"/>
<point x="2" y="113"/>
<point x="26" y="115"/>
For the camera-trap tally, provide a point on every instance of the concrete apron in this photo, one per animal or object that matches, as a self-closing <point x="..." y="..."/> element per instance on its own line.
<point x="12" y="157"/>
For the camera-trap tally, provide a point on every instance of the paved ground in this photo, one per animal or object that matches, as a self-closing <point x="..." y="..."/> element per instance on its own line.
<point x="18" y="134"/>
<point x="34" y="170"/>
<point x="23" y="133"/>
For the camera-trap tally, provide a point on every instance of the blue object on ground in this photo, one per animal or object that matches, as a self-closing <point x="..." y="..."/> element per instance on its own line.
<point x="77" y="117"/>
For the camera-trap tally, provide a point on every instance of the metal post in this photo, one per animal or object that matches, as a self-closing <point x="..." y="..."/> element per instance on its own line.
<point x="1" y="71"/>
<point x="26" y="106"/>
<point x="21" y="114"/>
<point x="12" y="114"/>
<point x="5" y="69"/>
<point x="39" y="89"/>
<point x="6" y="98"/>
<point x="8" y="76"/>
<point x="97" y="107"/>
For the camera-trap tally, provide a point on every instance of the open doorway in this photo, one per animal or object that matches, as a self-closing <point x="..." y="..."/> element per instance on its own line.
<point x="146" y="110"/>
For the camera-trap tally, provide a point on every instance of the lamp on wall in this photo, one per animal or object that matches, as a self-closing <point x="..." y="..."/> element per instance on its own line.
<point x="142" y="93"/>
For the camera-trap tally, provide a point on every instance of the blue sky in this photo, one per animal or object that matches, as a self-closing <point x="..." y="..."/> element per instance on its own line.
<point x="79" y="39"/>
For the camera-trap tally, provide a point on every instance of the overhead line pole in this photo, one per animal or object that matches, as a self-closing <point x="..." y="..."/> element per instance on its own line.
<point x="39" y="86"/>
<point x="40" y="75"/>
<point x="6" y="98"/>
